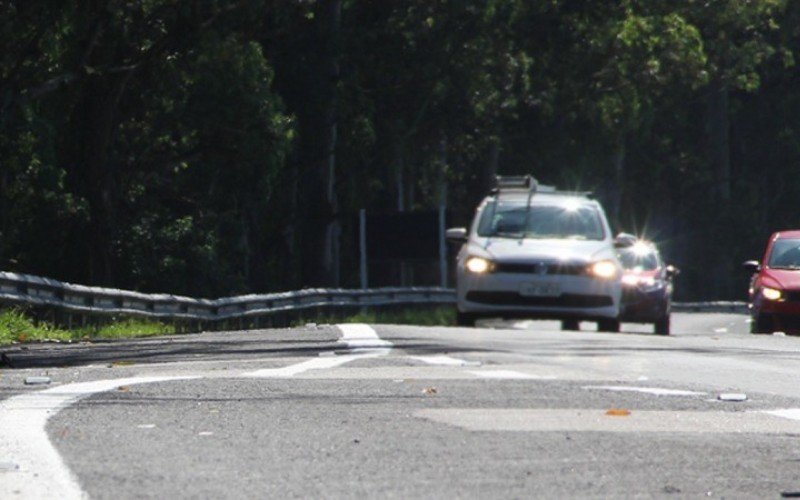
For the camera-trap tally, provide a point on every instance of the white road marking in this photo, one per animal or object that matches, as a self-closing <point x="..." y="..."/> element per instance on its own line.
<point x="360" y="336"/>
<point x="445" y="361"/>
<point x="311" y="364"/>
<point x="720" y="330"/>
<point x="508" y="374"/>
<point x="790" y="413"/>
<point x="647" y="390"/>
<point x="23" y="439"/>
<point x="594" y="420"/>
<point x="361" y="339"/>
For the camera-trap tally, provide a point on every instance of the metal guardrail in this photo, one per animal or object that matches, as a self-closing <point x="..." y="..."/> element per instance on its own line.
<point x="714" y="306"/>
<point x="83" y="301"/>
<point x="65" y="300"/>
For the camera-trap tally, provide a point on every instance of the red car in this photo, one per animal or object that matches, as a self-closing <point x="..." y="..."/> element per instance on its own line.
<point x="775" y="285"/>
<point x="646" y="285"/>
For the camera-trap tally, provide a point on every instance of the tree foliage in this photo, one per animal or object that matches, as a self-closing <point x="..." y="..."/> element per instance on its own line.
<point x="210" y="147"/>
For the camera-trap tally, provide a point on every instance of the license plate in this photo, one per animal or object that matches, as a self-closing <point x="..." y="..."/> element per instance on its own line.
<point x="540" y="289"/>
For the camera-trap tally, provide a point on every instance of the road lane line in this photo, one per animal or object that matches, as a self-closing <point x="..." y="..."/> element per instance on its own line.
<point x="361" y="340"/>
<point x="647" y="390"/>
<point x="790" y="413"/>
<point x="445" y="361"/>
<point x="23" y="438"/>
<point x="508" y="374"/>
<point x="361" y="336"/>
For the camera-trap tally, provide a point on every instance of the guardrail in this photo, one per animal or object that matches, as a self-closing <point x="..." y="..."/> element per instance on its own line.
<point x="65" y="303"/>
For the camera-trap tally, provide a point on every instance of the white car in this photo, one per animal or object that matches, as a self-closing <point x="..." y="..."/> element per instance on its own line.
<point x="534" y="252"/>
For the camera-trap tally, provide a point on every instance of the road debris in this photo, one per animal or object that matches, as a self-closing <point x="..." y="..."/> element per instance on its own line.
<point x="37" y="380"/>
<point x="732" y="396"/>
<point x="618" y="412"/>
<point x="429" y="390"/>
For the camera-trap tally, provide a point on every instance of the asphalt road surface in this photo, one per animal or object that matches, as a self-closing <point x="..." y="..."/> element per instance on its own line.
<point x="504" y="410"/>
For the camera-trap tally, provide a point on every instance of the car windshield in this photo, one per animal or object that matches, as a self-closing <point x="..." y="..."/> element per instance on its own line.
<point x="785" y="254"/>
<point x="638" y="260"/>
<point x="566" y="221"/>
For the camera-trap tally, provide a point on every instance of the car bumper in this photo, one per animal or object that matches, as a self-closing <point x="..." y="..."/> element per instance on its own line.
<point x="643" y="306"/>
<point x="501" y="295"/>
<point x="784" y="315"/>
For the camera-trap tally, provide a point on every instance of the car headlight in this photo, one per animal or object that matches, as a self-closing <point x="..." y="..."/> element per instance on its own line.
<point x="605" y="269"/>
<point x="478" y="265"/>
<point x="771" y="293"/>
<point x="640" y="281"/>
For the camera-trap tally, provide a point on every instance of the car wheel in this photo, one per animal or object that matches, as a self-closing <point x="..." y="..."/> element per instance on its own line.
<point x="761" y="323"/>
<point x="570" y="324"/>
<point x="662" y="325"/>
<point x="465" y="319"/>
<point x="608" y="325"/>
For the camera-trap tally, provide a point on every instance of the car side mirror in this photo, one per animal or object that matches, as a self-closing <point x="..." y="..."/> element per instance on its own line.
<point x="672" y="271"/>
<point x="752" y="265"/>
<point x="456" y="235"/>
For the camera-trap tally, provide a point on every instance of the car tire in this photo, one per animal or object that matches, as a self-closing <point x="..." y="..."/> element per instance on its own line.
<point x="761" y="324"/>
<point x="662" y="325"/>
<point x="570" y="324"/>
<point x="608" y="325"/>
<point x="465" y="319"/>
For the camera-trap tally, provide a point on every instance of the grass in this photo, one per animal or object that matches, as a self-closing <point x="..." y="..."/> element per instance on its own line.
<point x="15" y="326"/>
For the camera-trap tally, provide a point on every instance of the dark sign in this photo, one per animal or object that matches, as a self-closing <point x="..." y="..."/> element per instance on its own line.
<point x="407" y="235"/>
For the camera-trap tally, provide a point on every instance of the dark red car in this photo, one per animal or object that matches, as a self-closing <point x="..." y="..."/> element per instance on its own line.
<point x="646" y="285"/>
<point x="775" y="285"/>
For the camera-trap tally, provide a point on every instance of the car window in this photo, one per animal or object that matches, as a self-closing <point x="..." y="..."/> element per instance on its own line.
<point x="785" y="253"/>
<point x="543" y="221"/>
<point x="638" y="260"/>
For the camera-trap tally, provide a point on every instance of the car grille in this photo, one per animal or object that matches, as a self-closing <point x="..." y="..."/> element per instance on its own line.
<point x="552" y="268"/>
<point x="787" y="322"/>
<point x="515" y="299"/>
<point x="793" y="296"/>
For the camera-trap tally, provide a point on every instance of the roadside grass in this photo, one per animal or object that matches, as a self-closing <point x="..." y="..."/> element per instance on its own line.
<point x="17" y="327"/>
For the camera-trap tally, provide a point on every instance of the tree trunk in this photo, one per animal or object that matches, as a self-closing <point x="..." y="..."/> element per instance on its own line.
<point x="618" y="165"/>
<point x="718" y="139"/>
<point x="331" y="10"/>
<point x="99" y="176"/>
<point x="718" y="130"/>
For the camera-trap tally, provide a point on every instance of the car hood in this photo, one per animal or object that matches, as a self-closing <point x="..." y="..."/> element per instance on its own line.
<point x="782" y="278"/>
<point x="517" y="250"/>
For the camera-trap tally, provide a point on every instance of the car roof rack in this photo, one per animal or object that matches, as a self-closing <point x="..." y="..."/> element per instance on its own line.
<point x="528" y="184"/>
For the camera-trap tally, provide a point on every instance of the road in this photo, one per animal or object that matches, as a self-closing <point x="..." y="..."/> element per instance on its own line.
<point x="499" y="411"/>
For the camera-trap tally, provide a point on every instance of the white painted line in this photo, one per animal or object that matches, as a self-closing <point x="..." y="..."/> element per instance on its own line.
<point x="362" y="340"/>
<point x="23" y="439"/>
<point x="311" y="364"/>
<point x="647" y="390"/>
<point x="507" y="374"/>
<point x="598" y="420"/>
<point x="445" y="361"/>
<point x="790" y="413"/>
<point x="361" y="336"/>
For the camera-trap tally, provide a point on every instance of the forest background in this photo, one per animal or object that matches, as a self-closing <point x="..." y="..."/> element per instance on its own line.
<point x="213" y="148"/>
